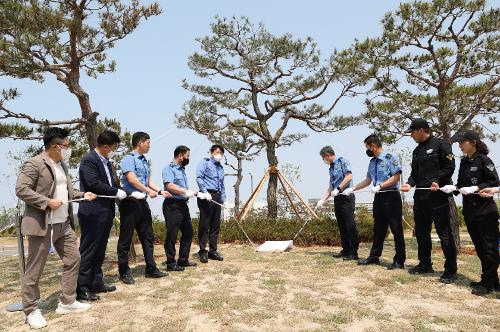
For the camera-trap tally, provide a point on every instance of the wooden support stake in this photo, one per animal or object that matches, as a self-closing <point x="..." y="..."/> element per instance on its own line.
<point x="288" y="196"/>
<point x="311" y="211"/>
<point x="251" y="200"/>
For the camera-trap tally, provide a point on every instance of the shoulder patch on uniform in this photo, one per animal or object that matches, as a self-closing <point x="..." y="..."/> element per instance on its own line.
<point x="450" y="156"/>
<point x="491" y="167"/>
<point x="388" y="156"/>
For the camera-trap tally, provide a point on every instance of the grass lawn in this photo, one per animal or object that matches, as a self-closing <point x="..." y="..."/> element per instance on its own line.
<point x="304" y="289"/>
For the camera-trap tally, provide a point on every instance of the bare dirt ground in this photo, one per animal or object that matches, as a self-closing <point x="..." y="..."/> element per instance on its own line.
<point x="304" y="289"/>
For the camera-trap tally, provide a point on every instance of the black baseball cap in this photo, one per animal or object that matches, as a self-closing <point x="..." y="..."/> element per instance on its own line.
<point x="466" y="135"/>
<point x="417" y="124"/>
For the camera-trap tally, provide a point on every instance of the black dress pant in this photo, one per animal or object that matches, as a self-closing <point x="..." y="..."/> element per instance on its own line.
<point x="435" y="208"/>
<point x="176" y="213"/>
<point x="485" y="235"/>
<point x="344" y="213"/>
<point x="93" y="243"/>
<point x="388" y="213"/>
<point x="209" y="226"/>
<point x="135" y="214"/>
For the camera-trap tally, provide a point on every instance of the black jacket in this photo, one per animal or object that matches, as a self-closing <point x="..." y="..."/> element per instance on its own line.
<point x="479" y="171"/>
<point x="433" y="161"/>
<point x="93" y="178"/>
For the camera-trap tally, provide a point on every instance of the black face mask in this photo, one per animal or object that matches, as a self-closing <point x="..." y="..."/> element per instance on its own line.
<point x="185" y="162"/>
<point x="369" y="153"/>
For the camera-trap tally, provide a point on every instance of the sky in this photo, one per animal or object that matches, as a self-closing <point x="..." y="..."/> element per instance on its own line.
<point x="145" y="91"/>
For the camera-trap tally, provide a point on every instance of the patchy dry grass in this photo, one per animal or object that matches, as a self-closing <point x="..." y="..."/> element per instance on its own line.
<point x="304" y="289"/>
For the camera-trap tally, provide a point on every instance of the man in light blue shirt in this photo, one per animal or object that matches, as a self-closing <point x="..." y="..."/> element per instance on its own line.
<point x="134" y="210"/>
<point x="340" y="180"/>
<point x="210" y="179"/>
<point x="176" y="210"/>
<point x="384" y="173"/>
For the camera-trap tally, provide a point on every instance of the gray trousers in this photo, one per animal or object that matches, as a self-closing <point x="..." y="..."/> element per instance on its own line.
<point x="65" y="243"/>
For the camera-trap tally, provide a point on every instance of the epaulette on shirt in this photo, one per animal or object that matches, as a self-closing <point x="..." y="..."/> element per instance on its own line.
<point x="394" y="161"/>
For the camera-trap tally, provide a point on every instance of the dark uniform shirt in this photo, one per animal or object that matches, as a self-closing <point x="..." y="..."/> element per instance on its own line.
<point x="433" y="161"/>
<point x="480" y="171"/>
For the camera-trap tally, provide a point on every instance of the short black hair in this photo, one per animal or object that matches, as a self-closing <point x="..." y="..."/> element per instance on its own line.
<point x="53" y="133"/>
<point x="181" y="149"/>
<point x="139" y="137"/>
<point x="373" y="139"/>
<point x="326" y="150"/>
<point x="108" y="137"/>
<point x="215" y="147"/>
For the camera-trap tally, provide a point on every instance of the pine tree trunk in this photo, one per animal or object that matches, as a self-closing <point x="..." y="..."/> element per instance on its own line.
<point x="445" y="134"/>
<point x="239" y="178"/>
<point x="272" y="204"/>
<point x="455" y="225"/>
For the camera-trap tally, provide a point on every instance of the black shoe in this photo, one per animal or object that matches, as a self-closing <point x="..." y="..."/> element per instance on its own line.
<point x="339" y="254"/>
<point x="86" y="296"/>
<point x="104" y="289"/>
<point x="203" y="257"/>
<point x="395" y="266"/>
<point x="215" y="256"/>
<point x="421" y="269"/>
<point x="369" y="260"/>
<point x="478" y="283"/>
<point x="448" y="277"/>
<point x="350" y="258"/>
<point x="174" y="268"/>
<point x="186" y="264"/>
<point x="127" y="279"/>
<point x="154" y="273"/>
<point x="474" y="284"/>
<point x="482" y="290"/>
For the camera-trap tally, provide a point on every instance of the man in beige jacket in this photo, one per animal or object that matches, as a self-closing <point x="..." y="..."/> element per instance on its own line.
<point x="46" y="188"/>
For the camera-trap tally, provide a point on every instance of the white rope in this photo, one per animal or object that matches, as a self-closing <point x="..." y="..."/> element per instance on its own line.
<point x="86" y="199"/>
<point x="300" y="230"/>
<point x="237" y="222"/>
<point x="165" y="133"/>
<point x="399" y="190"/>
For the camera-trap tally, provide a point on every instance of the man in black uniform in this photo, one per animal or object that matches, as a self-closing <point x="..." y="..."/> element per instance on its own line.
<point x="432" y="166"/>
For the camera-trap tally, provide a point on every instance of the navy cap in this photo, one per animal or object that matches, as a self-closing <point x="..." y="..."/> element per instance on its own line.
<point x="417" y="124"/>
<point x="466" y="135"/>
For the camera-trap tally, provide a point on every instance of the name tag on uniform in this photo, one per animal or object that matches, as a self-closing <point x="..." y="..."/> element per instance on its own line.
<point x="429" y="151"/>
<point x="473" y="169"/>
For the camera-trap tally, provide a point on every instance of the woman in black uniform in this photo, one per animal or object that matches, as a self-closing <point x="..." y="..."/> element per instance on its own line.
<point x="477" y="172"/>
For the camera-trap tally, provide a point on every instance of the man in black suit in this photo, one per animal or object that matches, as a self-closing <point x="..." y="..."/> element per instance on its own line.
<point x="96" y="218"/>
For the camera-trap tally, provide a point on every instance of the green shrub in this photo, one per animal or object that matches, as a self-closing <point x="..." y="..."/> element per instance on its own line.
<point x="317" y="232"/>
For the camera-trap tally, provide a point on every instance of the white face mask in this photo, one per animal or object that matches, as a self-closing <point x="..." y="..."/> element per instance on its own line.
<point x="111" y="154"/>
<point x="217" y="157"/>
<point x="65" y="154"/>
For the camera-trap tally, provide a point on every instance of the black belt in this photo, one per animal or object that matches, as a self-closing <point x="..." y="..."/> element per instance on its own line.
<point x="214" y="191"/>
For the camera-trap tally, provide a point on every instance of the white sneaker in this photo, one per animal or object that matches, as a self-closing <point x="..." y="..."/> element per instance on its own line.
<point x="35" y="320"/>
<point x="76" y="306"/>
